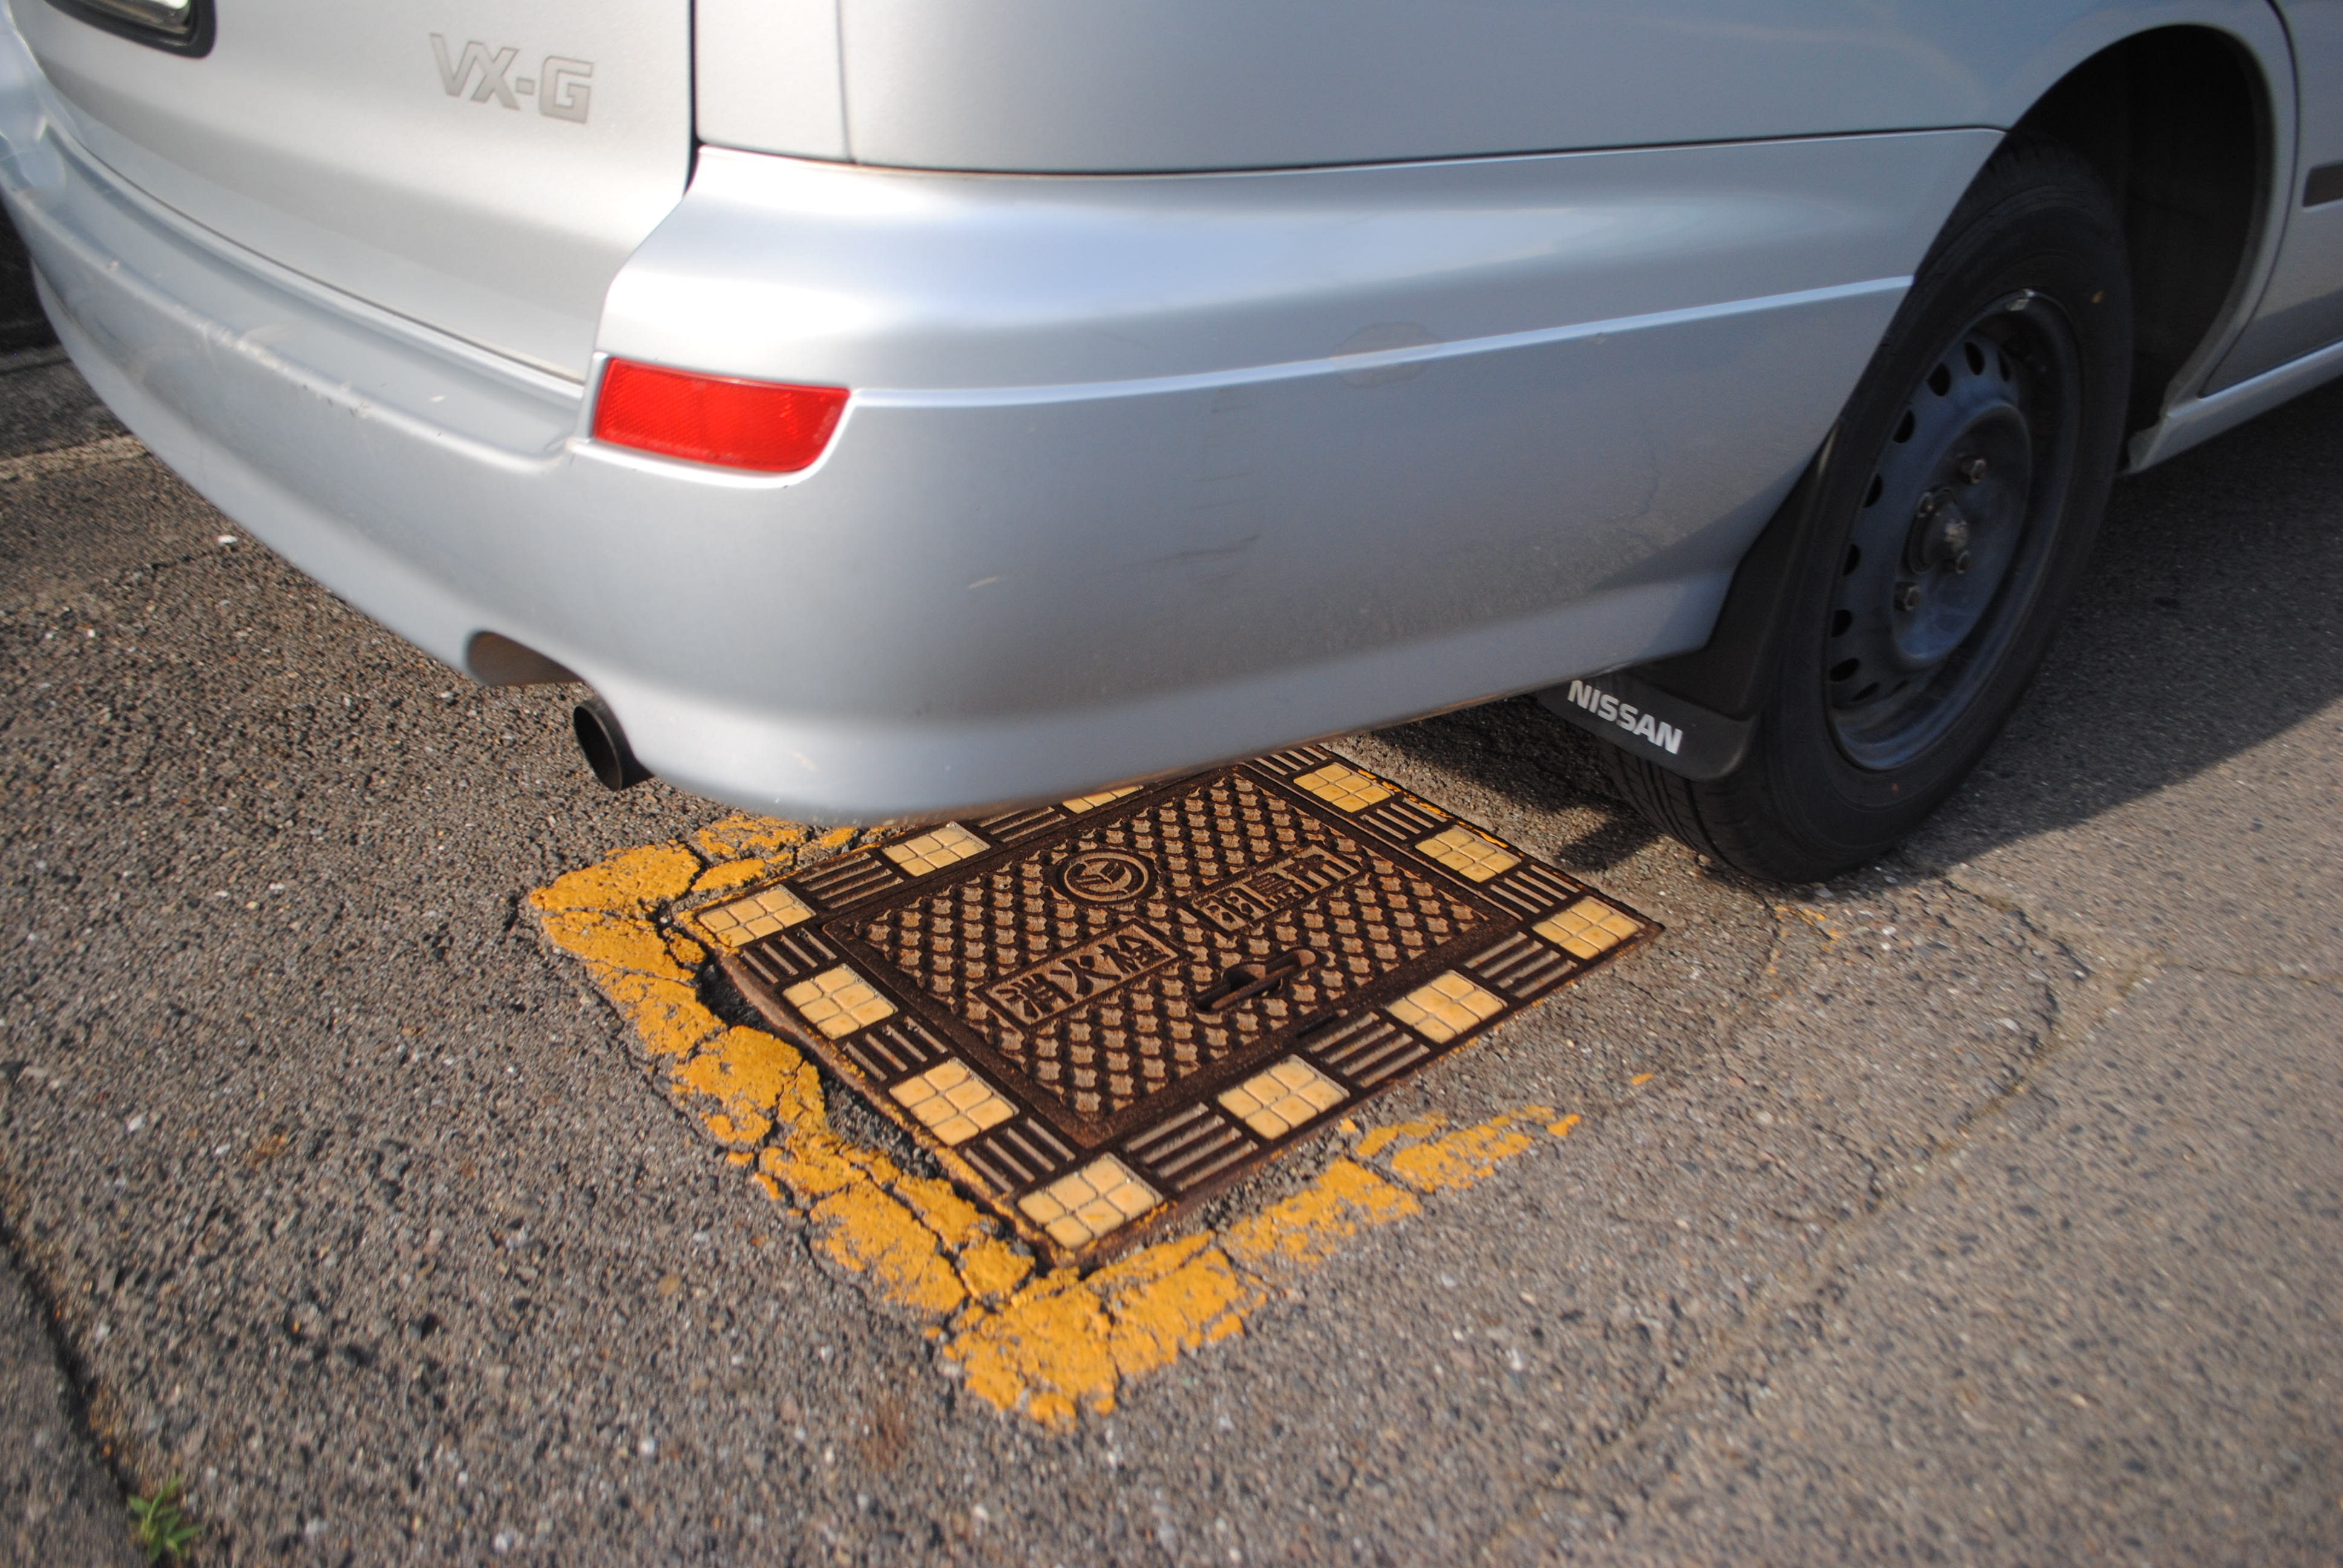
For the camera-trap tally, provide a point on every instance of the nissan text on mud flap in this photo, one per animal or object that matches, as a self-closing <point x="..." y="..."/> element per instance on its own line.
<point x="901" y="410"/>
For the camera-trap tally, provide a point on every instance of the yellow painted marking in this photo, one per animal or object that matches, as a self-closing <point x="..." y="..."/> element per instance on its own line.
<point x="616" y="944"/>
<point x="741" y="837"/>
<point x="1065" y="1343"/>
<point x="1096" y="1200"/>
<point x="947" y="846"/>
<point x="743" y="921"/>
<point x="1464" y="852"/>
<point x="1469" y="1155"/>
<point x="731" y="874"/>
<point x="838" y="1001"/>
<point x="632" y="882"/>
<point x="1562" y="1129"/>
<point x="862" y="1229"/>
<point x="755" y="1078"/>
<point x="1447" y="1007"/>
<point x="1382" y="1138"/>
<point x="1049" y="1344"/>
<point x="1305" y="1230"/>
<point x="1345" y="788"/>
<point x="1586" y="929"/>
<point x="1093" y="802"/>
<point x="991" y="1268"/>
<point x="1820" y="922"/>
<point x="1274" y="1103"/>
<point x="953" y="1102"/>
<point x="1640" y="1080"/>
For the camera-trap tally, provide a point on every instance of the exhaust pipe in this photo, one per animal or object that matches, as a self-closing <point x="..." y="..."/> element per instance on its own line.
<point x="604" y="741"/>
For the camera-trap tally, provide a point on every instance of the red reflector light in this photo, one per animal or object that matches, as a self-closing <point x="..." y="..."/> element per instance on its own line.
<point x="718" y="420"/>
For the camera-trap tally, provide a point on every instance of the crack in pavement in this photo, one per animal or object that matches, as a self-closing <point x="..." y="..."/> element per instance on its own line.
<point x="65" y="460"/>
<point x="58" y="1519"/>
<point x="2007" y="897"/>
<point x="470" y="1286"/>
<point x="2110" y="977"/>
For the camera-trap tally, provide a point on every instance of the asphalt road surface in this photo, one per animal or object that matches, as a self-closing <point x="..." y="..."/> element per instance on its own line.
<point x="1986" y="1207"/>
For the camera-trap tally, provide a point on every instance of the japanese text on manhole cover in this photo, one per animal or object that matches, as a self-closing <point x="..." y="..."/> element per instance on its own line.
<point x="1099" y="1012"/>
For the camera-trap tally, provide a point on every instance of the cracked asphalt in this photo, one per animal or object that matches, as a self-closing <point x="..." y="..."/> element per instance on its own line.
<point x="1983" y="1207"/>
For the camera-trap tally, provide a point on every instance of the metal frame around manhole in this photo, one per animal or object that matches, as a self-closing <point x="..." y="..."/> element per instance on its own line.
<point x="1098" y="1013"/>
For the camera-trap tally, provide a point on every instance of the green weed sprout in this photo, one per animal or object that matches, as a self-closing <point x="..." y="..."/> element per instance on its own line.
<point x="160" y="1526"/>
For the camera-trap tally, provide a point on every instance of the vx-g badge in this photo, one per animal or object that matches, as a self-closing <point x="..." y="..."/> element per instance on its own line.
<point x="562" y="87"/>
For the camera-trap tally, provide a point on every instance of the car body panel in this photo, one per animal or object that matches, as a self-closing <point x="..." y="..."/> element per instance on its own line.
<point x="766" y="76"/>
<point x="899" y="280"/>
<point x="1137" y="472"/>
<point x="1061" y="554"/>
<point x="2268" y="346"/>
<point x="2301" y="310"/>
<point x="1077" y="85"/>
<point x="326" y="138"/>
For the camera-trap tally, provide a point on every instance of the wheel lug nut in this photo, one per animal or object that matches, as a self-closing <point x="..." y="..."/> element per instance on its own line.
<point x="1972" y="471"/>
<point x="1907" y="596"/>
<point x="1963" y="561"/>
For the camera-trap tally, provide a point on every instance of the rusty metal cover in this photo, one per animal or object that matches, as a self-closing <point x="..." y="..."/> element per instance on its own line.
<point x="1097" y="1013"/>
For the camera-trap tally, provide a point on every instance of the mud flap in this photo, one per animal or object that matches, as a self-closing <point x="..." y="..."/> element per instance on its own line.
<point x="1697" y="713"/>
<point x="1639" y="717"/>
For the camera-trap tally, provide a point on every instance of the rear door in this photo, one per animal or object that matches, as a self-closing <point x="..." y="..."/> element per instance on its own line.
<point x="483" y="166"/>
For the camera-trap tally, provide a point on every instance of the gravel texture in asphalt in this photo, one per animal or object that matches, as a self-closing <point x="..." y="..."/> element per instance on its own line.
<point x="1985" y="1206"/>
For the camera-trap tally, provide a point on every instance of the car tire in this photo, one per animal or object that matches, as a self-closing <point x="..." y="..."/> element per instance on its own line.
<point x="1961" y="493"/>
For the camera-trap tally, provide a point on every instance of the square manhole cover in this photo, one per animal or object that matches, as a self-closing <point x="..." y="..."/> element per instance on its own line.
<point x="1099" y="1012"/>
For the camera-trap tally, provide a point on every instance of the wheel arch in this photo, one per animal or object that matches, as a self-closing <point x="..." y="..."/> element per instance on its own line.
<point x="2212" y="215"/>
<point x="2192" y="139"/>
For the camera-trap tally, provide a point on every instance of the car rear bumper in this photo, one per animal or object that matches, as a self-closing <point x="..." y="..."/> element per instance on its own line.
<point x="1138" y="473"/>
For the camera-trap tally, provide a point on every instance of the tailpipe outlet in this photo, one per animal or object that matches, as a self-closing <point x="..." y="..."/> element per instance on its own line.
<point x="603" y="740"/>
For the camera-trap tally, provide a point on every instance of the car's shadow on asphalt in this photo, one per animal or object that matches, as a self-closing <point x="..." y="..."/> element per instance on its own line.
<point x="1518" y="749"/>
<point x="2206" y="624"/>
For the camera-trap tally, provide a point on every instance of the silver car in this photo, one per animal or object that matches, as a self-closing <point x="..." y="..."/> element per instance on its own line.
<point x="895" y="409"/>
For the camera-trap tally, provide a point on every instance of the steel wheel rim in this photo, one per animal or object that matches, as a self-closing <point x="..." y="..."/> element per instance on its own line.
<point x="1955" y="533"/>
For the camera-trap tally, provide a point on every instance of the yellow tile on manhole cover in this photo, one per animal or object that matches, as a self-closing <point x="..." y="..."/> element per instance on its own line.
<point x="1096" y="1013"/>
